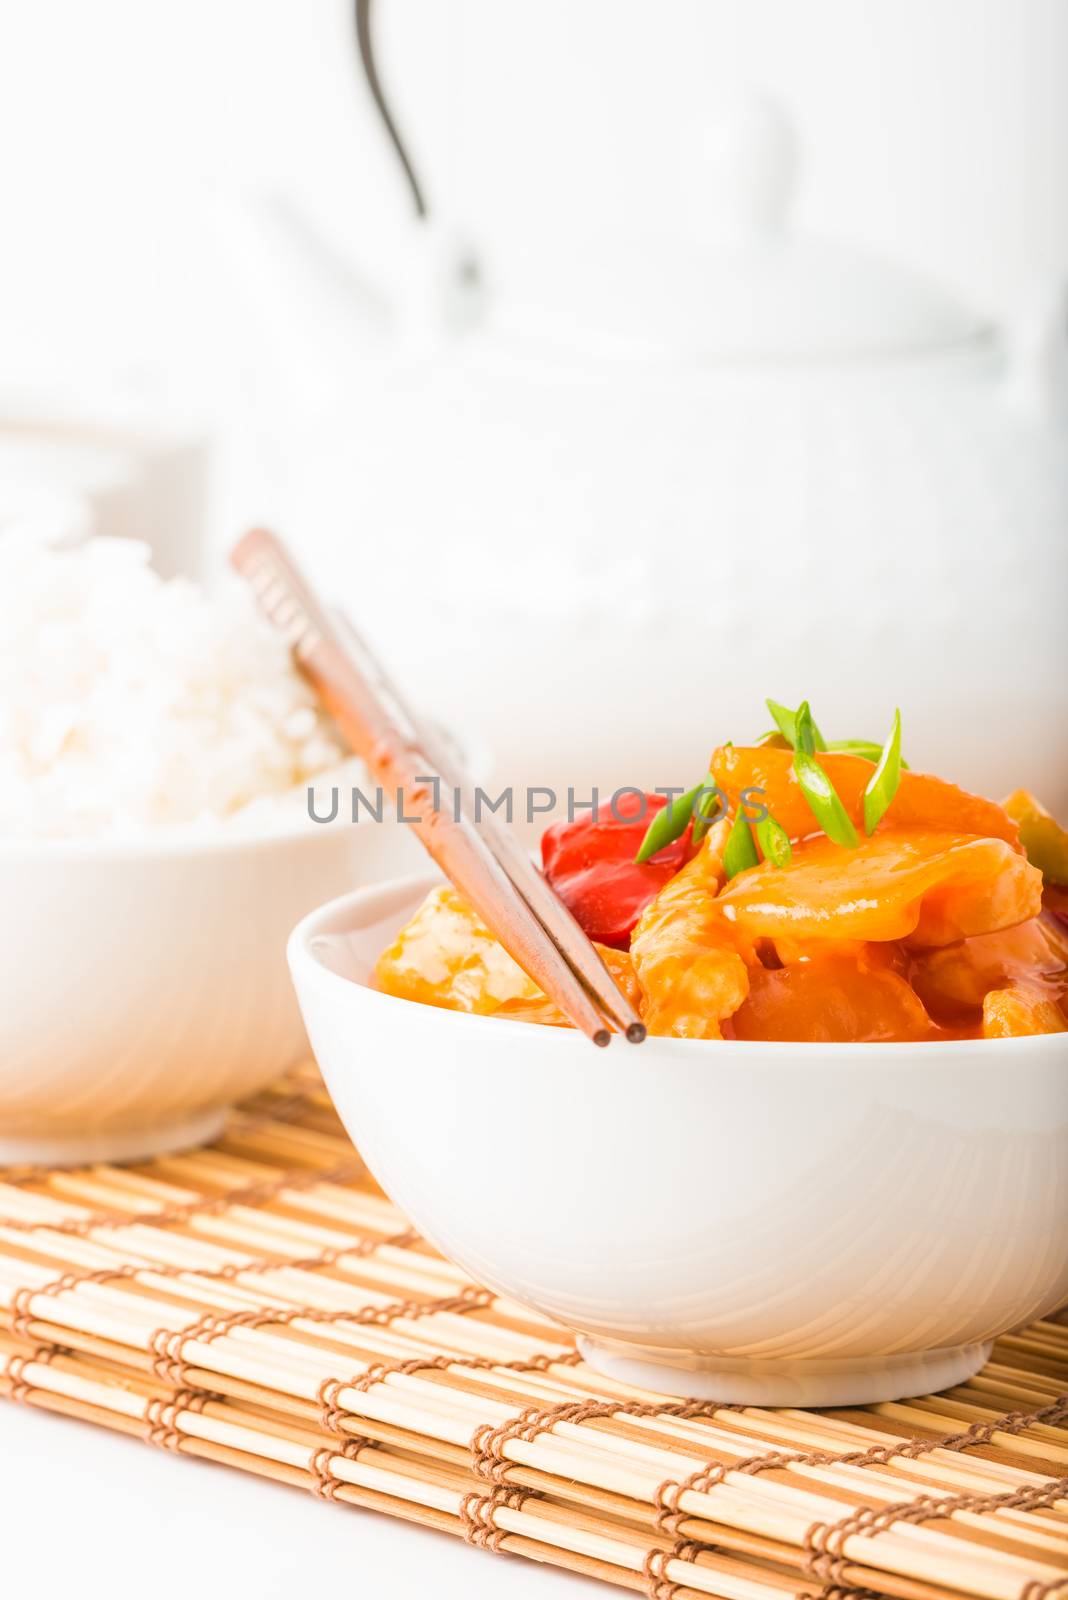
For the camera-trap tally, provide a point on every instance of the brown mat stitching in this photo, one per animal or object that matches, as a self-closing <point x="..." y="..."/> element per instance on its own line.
<point x="250" y="1194"/>
<point x="332" y="1414"/>
<point x="488" y="1441"/>
<point x="161" y="1416"/>
<point x="22" y="1316"/>
<point x="823" y="1542"/>
<point x="659" y="1585"/>
<point x="1041" y="1591"/>
<point x="166" y="1344"/>
<point x="324" y="1484"/>
<point x="840" y="1591"/>
<point x="21" y="1388"/>
<point x="667" y="1495"/>
<point x="478" y="1513"/>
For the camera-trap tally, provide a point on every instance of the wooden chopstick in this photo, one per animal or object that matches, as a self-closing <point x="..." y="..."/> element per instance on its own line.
<point x="555" y="917"/>
<point x="484" y="863"/>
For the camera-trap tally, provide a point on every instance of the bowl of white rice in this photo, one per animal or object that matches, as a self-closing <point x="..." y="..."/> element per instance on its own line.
<point x="156" y="847"/>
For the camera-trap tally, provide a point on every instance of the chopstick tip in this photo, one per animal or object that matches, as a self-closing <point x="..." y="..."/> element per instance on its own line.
<point x="602" y="1037"/>
<point x="636" y="1032"/>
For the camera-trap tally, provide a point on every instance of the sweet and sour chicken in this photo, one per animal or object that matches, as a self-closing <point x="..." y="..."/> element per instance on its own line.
<point x="930" y="924"/>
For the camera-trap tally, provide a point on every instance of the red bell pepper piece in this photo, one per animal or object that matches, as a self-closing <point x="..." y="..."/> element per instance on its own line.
<point x="590" y="863"/>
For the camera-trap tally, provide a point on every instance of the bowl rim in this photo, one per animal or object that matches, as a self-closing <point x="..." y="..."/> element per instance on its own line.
<point x="216" y="837"/>
<point x="302" y="958"/>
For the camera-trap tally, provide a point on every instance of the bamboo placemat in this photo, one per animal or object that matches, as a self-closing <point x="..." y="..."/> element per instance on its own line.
<point x="260" y="1303"/>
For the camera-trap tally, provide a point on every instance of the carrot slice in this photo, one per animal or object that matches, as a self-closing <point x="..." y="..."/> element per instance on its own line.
<point x="927" y="888"/>
<point x="921" y="801"/>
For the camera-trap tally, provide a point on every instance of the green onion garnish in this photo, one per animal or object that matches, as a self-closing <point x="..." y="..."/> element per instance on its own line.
<point x="741" y="852"/>
<point x="774" y="841"/>
<point x="707" y="809"/>
<point x="867" y="749"/>
<point x="807" y="734"/>
<point x="669" y="824"/>
<point x="823" y="800"/>
<point x="796" y="731"/>
<point x="786" y="722"/>
<point x="883" y="784"/>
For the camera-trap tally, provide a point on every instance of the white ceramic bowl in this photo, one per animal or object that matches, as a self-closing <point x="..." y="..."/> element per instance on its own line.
<point x="143" y="986"/>
<point x="772" y="1224"/>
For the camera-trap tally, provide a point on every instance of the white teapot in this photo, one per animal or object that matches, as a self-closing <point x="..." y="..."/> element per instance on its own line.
<point x="601" y="521"/>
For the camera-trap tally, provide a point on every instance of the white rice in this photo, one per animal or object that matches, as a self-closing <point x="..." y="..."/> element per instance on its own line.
<point x="128" y="703"/>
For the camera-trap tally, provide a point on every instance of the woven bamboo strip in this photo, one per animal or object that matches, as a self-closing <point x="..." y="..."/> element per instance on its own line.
<point x="905" y="1589"/>
<point x="242" y="1438"/>
<point x="262" y="1304"/>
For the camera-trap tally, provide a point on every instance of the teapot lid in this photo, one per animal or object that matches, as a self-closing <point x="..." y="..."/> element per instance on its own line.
<point x="751" y="289"/>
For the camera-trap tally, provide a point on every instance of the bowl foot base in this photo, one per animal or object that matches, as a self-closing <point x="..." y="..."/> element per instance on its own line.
<point x="827" y="1381"/>
<point x="114" y="1144"/>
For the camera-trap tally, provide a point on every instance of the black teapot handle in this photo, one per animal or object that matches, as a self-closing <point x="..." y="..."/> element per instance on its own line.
<point x="370" y="69"/>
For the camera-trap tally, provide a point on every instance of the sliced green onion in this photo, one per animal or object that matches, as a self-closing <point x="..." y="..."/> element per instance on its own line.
<point x="786" y="722"/>
<point x="707" y="809"/>
<point x="867" y="749"/>
<point x="741" y="852"/>
<point x="774" y="841"/>
<point x="669" y="824"/>
<point x="806" y="731"/>
<point x="883" y="784"/>
<point x="823" y="800"/>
